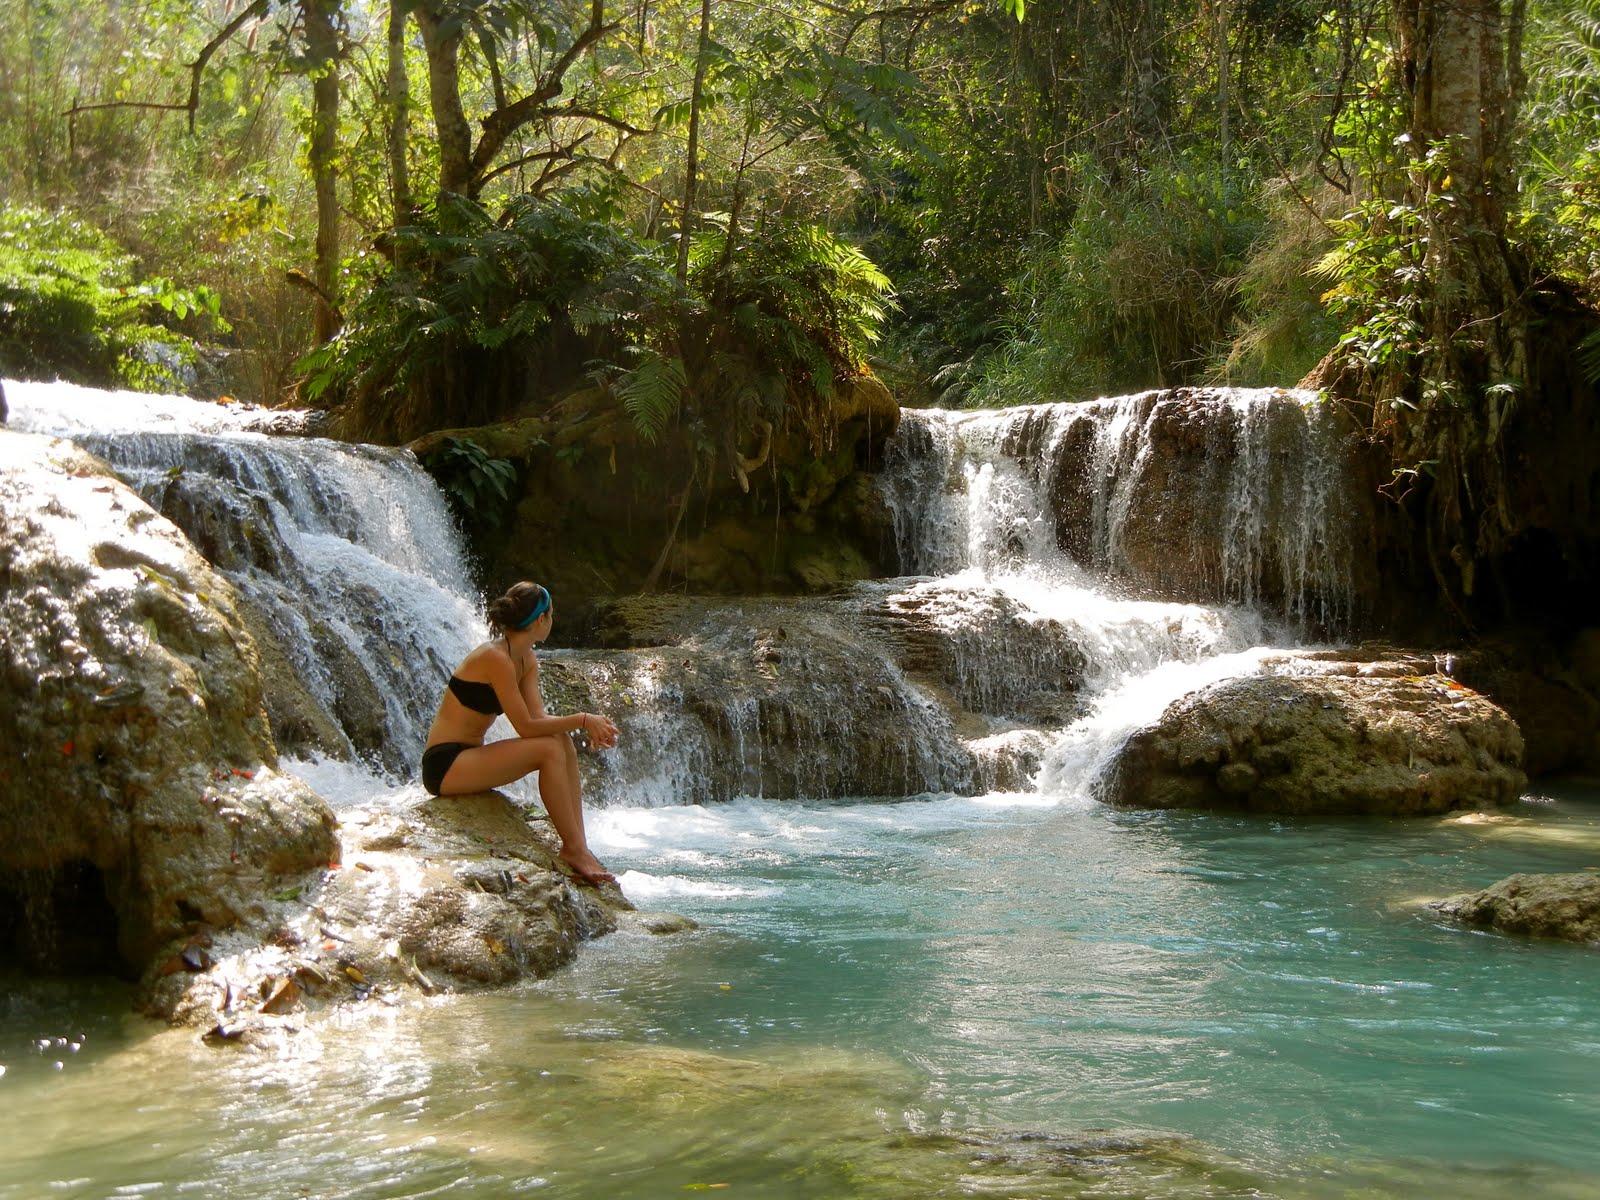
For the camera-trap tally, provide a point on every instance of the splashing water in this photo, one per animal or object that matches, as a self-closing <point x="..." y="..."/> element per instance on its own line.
<point x="347" y="553"/>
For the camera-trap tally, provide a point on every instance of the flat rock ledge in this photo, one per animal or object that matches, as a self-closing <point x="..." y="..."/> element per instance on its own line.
<point x="1321" y="735"/>
<point x="454" y="894"/>
<point x="1565" y="906"/>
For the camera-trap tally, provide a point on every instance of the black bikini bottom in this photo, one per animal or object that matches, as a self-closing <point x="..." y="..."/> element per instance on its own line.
<point x="436" y="760"/>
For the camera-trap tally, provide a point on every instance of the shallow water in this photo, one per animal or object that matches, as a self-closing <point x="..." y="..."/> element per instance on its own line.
<point x="882" y="997"/>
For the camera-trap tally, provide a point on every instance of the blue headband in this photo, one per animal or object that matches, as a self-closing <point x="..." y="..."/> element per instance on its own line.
<point x="540" y="607"/>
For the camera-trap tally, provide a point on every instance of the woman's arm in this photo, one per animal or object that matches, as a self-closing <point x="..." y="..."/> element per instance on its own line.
<point x="528" y="685"/>
<point x="524" y="707"/>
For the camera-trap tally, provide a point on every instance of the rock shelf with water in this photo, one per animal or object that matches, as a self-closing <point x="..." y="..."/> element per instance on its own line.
<point x="148" y="825"/>
<point x="451" y="894"/>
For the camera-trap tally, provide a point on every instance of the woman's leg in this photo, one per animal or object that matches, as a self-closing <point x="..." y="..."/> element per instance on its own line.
<point x="556" y="759"/>
<point x="562" y="794"/>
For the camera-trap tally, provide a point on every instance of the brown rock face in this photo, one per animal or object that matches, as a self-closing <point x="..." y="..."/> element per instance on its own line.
<point x="1355" y="742"/>
<point x="1553" y="691"/>
<point x="1205" y="495"/>
<point x="596" y="512"/>
<point x="1563" y="906"/>
<point x="137" y="795"/>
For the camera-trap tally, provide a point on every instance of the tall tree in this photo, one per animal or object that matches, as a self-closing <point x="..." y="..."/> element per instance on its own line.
<point x="398" y="97"/>
<point x="321" y="23"/>
<point x="1490" y="384"/>
<point x="691" y="166"/>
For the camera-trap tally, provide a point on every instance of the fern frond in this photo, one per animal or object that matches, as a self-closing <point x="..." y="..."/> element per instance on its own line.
<point x="652" y="392"/>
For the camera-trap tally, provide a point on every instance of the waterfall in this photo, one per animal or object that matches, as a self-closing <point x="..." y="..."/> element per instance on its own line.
<point x="1067" y="571"/>
<point x="1097" y="561"/>
<point x="1245" y="497"/>
<point x="346" y="556"/>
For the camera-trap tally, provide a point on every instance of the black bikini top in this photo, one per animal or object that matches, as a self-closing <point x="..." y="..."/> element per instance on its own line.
<point x="479" y="697"/>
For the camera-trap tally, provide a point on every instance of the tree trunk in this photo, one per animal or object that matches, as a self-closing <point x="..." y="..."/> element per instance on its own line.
<point x="322" y="47"/>
<point x="398" y="89"/>
<point x="441" y="39"/>
<point x="692" y="163"/>
<point x="1493" y="445"/>
<point x="1457" y="62"/>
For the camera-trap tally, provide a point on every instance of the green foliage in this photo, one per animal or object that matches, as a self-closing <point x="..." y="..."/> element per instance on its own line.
<point x="73" y="306"/>
<point x="1589" y="357"/>
<point x="1378" y="273"/>
<point x="478" y="485"/>
<point x="652" y="391"/>
<point x="466" y="288"/>
<point x="1283" y="329"/>
<point x="1561" y="175"/>
<point x="793" y="296"/>
<point x="1136" y="293"/>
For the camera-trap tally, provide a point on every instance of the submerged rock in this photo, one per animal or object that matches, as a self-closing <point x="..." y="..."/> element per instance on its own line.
<point x="1372" y="737"/>
<point x="138" y="796"/>
<point x="1565" y="906"/>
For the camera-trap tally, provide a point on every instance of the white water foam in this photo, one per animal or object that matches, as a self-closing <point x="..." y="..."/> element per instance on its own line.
<point x="348" y="553"/>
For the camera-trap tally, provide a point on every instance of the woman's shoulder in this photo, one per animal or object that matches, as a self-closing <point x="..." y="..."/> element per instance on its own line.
<point x="483" y="658"/>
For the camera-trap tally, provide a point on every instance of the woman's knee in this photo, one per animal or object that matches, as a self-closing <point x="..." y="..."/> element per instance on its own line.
<point x="545" y="753"/>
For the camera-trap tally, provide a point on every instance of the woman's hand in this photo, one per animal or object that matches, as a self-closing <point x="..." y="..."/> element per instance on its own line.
<point x="602" y="734"/>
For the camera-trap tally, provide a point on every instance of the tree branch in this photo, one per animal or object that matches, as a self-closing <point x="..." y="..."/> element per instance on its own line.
<point x="572" y="110"/>
<point x="499" y="125"/>
<point x="558" y="152"/>
<point x="197" y="71"/>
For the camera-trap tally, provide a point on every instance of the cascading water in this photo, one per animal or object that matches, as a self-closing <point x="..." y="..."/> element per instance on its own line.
<point x="1236" y="496"/>
<point x="345" y="554"/>
<point x="347" y="559"/>
<point x="993" y="501"/>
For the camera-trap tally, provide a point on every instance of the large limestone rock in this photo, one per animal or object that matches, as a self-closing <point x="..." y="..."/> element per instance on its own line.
<point x="449" y="894"/>
<point x="138" y="796"/>
<point x="1325" y="737"/>
<point x="881" y="691"/>
<point x="1555" y="906"/>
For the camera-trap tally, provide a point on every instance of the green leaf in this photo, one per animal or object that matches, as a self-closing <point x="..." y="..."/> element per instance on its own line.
<point x="652" y="392"/>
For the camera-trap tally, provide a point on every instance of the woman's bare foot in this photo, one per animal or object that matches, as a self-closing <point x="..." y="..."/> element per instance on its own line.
<point x="587" y="867"/>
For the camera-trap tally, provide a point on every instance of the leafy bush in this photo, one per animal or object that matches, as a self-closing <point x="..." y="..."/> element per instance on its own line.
<point x="770" y="322"/>
<point x="473" y="307"/>
<point x="73" y="307"/>
<point x="1139" y="292"/>
<point x="1561" y="173"/>
<point x="478" y="485"/>
<point x="480" y="315"/>
<point x="1283" y="329"/>
<point x="794" y="295"/>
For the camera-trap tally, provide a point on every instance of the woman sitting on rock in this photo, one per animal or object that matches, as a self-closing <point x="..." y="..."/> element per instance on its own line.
<point x="502" y="676"/>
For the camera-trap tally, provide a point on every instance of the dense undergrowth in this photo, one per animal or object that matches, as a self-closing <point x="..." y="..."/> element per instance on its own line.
<point x="1054" y="221"/>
